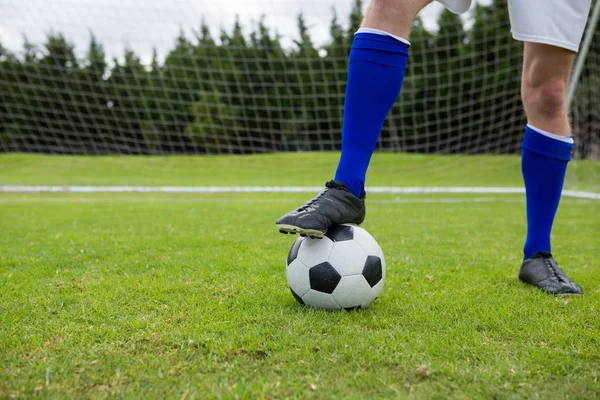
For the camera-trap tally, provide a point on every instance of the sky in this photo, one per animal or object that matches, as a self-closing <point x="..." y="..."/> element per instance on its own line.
<point x="144" y="24"/>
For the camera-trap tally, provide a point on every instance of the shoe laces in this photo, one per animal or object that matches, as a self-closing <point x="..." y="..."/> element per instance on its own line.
<point x="308" y="204"/>
<point x="547" y="260"/>
<point x="312" y="201"/>
<point x="551" y="269"/>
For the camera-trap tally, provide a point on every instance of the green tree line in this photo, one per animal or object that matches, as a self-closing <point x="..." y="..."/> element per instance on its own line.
<point x="243" y="92"/>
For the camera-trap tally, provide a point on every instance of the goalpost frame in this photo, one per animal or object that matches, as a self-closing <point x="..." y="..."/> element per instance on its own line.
<point x="585" y="48"/>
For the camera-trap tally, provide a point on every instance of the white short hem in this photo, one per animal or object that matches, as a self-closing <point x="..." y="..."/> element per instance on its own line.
<point x="545" y="40"/>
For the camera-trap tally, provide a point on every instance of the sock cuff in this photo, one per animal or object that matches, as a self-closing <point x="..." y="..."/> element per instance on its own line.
<point x="383" y="33"/>
<point x="566" y="139"/>
<point x="379" y="49"/>
<point x="366" y="40"/>
<point x="547" y="146"/>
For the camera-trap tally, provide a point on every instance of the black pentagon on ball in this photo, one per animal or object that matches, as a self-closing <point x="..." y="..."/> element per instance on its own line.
<point x="298" y="298"/>
<point x="340" y="233"/>
<point x="373" y="272"/>
<point x="293" y="254"/>
<point x="324" y="278"/>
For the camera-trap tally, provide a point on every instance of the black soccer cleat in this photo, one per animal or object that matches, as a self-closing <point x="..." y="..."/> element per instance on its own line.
<point x="542" y="271"/>
<point x="333" y="205"/>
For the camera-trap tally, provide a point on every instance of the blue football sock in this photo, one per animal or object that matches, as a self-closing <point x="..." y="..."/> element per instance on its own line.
<point x="375" y="75"/>
<point x="544" y="164"/>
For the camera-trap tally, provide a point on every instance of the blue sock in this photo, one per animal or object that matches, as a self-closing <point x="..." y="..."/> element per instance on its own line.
<point x="375" y="75"/>
<point x="544" y="164"/>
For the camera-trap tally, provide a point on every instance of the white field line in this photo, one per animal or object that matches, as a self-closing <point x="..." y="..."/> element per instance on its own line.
<point x="273" y="189"/>
<point x="210" y="199"/>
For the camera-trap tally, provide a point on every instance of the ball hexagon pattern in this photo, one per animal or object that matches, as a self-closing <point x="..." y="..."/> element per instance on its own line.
<point x="323" y="278"/>
<point x="373" y="270"/>
<point x="344" y="270"/>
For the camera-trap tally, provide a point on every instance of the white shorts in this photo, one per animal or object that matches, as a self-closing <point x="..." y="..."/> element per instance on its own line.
<point x="556" y="22"/>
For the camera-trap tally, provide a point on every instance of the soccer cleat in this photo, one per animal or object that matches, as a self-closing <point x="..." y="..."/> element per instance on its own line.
<point x="333" y="205"/>
<point x="542" y="271"/>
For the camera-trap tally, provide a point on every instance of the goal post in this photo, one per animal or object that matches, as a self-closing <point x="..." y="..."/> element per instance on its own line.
<point x="583" y="98"/>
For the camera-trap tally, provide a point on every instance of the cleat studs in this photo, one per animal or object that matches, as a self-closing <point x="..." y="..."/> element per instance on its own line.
<point x="283" y="231"/>
<point x="303" y="234"/>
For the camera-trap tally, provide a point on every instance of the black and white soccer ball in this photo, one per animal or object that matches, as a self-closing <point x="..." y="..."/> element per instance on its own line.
<point x="345" y="269"/>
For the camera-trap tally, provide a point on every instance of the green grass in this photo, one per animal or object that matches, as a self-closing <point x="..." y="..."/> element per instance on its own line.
<point x="311" y="169"/>
<point x="184" y="296"/>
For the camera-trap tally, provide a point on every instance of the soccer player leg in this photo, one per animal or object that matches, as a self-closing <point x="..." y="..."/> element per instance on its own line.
<point x="552" y="33"/>
<point x="376" y="71"/>
<point x="375" y="75"/>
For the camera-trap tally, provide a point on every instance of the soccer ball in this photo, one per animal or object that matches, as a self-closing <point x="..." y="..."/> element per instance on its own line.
<point x="345" y="269"/>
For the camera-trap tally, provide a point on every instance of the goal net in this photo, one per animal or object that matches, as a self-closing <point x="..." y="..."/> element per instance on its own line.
<point x="258" y="76"/>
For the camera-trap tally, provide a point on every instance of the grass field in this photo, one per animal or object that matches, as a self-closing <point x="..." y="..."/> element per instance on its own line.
<point x="303" y="169"/>
<point x="184" y="296"/>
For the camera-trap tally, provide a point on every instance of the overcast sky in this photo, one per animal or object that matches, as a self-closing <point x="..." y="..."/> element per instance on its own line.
<point x="144" y="24"/>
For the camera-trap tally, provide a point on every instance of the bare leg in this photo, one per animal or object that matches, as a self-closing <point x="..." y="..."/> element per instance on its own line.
<point x="393" y="16"/>
<point x="546" y="153"/>
<point x="546" y="71"/>
<point x="375" y="74"/>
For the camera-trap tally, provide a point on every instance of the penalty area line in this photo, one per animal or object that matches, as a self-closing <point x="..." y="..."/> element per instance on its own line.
<point x="274" y="189"/>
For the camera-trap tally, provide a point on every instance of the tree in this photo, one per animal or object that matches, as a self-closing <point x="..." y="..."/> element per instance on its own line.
<point x="244" y="92"/>
<point x="53" y="96"/>
<point x="356" y="19"/>
<point x="269" y="73"/>
<point x="17" y="91"/>
<point x="126" y="87"/>
<point x="180" y="86"/>
<point x="493" y="59"/>
<point x="90" y="99"/>
<point x="448" y="73"/>
<point x="585" y="114"/>
<point x="410" y="117"/>
<point x="60" y="54"/>
<point x="5" y="65"/>
<point x="215" y="126"/>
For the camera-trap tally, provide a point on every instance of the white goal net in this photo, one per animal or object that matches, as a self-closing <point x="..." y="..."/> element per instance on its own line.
<point x="239" y="77"/>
